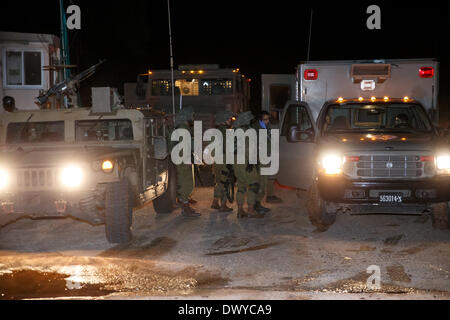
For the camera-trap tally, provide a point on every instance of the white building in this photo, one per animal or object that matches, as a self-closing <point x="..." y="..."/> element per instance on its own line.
<point x="23" y="57"/>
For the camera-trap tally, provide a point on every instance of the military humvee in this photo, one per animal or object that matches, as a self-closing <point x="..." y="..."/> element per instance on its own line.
<point x="93" y="167"/>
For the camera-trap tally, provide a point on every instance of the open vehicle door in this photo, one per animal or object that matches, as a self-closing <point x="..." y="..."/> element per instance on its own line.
<point x="298" y="138"/>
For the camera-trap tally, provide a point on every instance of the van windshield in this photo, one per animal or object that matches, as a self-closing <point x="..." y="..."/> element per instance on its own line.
<point x="376" y="117"/>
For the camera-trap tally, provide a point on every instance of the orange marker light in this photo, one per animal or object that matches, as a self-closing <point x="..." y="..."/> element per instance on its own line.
<point x="340" y="100"/>
<point x="403" y="139"/>
<point x="373" y="99"/>
<point x="107" y="166"/>
<point x="386" y="99"/>
<point x="406" y="99"/>
<point x="360" y="99"/>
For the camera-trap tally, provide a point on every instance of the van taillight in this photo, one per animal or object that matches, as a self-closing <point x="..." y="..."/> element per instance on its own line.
<point x="311" y="74"/>
<point x="426" y="72"/>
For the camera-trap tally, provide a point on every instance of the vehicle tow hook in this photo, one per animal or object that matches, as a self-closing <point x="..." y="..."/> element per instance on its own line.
<point x="61" y="206"/>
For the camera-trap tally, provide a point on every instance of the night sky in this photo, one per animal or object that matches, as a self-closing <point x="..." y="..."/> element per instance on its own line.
<point x="255" y="36"/>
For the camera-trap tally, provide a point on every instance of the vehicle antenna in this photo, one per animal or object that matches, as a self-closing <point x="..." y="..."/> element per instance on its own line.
<point x="310" y="32"/>
<point x="171" y="57"/>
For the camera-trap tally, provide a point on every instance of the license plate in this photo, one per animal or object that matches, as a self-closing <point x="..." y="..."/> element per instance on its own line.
<point x="391" y="198"/>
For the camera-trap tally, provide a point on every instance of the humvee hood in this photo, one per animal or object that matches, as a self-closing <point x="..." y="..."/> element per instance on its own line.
<point x="20" y="157"/>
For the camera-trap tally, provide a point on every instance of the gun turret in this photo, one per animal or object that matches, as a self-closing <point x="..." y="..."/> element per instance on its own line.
<point x="69" y="86"/>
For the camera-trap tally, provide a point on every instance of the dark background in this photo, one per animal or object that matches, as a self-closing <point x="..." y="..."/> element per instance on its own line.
<point x="255" y="36"/>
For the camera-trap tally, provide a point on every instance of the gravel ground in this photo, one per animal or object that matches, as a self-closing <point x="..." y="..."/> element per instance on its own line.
<point x="281" y="256"/>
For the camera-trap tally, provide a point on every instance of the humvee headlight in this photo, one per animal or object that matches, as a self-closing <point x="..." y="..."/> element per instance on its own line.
<point x="4" y="179"/>
<point x="332" y="164"/>
<point x="107" y="166"/>
<point x="443" y="164"/>
<point x="71" y="176"/>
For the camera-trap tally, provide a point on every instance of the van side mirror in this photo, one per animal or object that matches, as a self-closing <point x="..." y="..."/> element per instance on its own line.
<point x="295" y="135"/>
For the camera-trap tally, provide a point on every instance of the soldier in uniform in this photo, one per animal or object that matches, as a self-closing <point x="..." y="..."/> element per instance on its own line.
<point x="222" y="172"/>
<point x="247" y="175"/>
<point x="270" y="189"/>
<point x="185" y="179"/>
<point x="262" y="123"/>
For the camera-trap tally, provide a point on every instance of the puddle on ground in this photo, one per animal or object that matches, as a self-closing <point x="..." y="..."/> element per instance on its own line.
<point x="29" y="284"/>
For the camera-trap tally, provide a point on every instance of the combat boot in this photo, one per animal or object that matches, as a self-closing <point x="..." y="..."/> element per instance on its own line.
<point x="187" y="211"/>
<point x="224" y="207"/>
<point x="241" y="212"/>
<point x="252" y="213"/>
<point x="215" y="204"/>
<point x="260" y="209"/>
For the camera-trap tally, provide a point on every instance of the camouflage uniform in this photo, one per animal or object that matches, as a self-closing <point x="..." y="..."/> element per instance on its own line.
<point x="247" y="175"/>
<point x="263" y="180"/>
<point x="185" y="177"/>
<point x="222" y="171"/>
<point x="270" y="189"/>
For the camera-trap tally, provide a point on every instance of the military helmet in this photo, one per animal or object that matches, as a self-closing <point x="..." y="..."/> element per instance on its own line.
<point x="223" y="116"/>
<point x="9" y="104"/>
<point x="243" y="119"/>
<point x="186" y="114"/>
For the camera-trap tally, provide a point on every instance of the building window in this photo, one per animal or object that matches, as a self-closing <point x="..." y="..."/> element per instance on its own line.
<point x="161" y="87"/>
<point x="216" y="86"/>
<point x="23" y="68"/>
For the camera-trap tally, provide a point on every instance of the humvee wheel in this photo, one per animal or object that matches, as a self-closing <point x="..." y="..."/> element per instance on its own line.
<point x="118" y="212"/>
<point x="317" y="210"/>
<point x="166" y="203"/>
<point x="440" y="216"/>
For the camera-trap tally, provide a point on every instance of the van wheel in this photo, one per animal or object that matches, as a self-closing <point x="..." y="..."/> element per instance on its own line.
<point x="440" y="216"/>
<point x="118" y="212"/>
<point x="317" y="210"/>
<point x="167" y="201"/>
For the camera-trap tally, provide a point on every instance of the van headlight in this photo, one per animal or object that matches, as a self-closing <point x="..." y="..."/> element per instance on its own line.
<point x="443" y="164"/>
<point x="4" y="179"/>
<point x="71" y="176"/>
<point x="331" y="164"/>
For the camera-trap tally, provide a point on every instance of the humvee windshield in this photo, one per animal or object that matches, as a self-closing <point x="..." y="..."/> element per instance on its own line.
<point x="103" y="130"/>
<point x="35" y="132"/>
<point x="376" y="117"/>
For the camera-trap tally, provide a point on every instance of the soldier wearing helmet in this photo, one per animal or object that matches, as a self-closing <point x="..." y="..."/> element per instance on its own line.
<point x="247" y="174"/>
<point x="185" y="179"/>
<point x="222" y="172"/>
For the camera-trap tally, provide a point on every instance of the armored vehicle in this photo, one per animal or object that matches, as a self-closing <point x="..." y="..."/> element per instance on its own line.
<point x="91" y="166"/>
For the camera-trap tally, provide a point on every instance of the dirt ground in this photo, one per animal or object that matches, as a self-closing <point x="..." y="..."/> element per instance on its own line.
<point x="281" y="256"/>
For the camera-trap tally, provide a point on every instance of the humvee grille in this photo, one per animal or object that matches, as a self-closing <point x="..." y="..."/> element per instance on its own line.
<point x="36" y="178"/>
